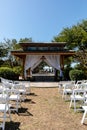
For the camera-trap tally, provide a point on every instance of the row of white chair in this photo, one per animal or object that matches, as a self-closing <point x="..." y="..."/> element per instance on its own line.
<point x="12" y="94"/>
<point x="4" y="107"/>
<point x="76" y="92"/>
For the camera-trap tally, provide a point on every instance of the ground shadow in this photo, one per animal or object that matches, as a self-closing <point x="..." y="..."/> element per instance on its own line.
<point x="12" y="125"/>
<point x="85" y="124"/>
<point x="29" y="101"/>
<point x="24" y="112"/>
<point x="33" y="94"/>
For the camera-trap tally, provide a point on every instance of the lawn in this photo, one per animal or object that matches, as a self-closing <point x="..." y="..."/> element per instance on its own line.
<point x="44" y="109"/>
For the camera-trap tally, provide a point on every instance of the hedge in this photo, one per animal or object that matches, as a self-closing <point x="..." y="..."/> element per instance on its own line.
<point x="76" y="74"/>
<point x="8" y="73"/>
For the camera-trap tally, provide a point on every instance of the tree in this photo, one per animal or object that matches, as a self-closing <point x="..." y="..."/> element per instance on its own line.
<point x="3" y="50"/>
<point x="7" y="46"/>
<point x="76" y="39"/>
<point x="25" y="40"/>
<point x="81" y="56"/>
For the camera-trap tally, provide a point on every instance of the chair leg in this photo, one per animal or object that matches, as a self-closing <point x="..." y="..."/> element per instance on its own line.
<point x="10" y="114"/>
<point x="63" y="95"/>
<point x="4" y="120"/>
<point x="83" y="118"/>
<point x="17" y="106"/>
<point x="3" y="127"/>
<point x="70" y="103"/>
<point x="66" y="96"/>
<point x="74" y="106"/>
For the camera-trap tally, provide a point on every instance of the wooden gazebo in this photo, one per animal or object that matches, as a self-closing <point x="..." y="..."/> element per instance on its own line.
<point x="40" y="48"/>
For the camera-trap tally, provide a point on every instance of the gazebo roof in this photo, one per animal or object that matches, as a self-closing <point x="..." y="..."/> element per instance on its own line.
<point x="42" y="48"/>
<point x="43" y="44"/>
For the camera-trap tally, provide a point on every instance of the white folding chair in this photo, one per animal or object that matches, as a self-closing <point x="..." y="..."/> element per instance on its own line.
<point x="7" y="85"/>
<point x="14" y="99"/>
<point x="67" y="90"/>
<point x="22" y="90"/>
<point x="85" y="105"/>
<point x="77" y="95"/>
<point x="4" y="108"/>
<point x="27" y="86"/>
<point x="60" y="88"/>
<point x="84" y="114"/>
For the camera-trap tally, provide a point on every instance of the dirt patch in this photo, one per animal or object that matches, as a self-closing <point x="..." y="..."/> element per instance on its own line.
<point x="44" y="109"/>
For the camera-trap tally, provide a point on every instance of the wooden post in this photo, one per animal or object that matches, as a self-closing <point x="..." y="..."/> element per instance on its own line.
<point x="62" y="62"/>
<point x="56" y="75"/>
<point x="23" y="76"/>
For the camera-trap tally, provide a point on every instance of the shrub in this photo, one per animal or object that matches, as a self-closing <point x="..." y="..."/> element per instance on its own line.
<point x="66" y="71"/>
<point x="17" y="70"/>
<point x="7" y="73"/>
<point x="76" y="74"/>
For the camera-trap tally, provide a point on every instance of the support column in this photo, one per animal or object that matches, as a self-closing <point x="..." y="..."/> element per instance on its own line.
<point x="62" y="62"/>
<point x="23" y="67"/>
<point x="56" y="75"/>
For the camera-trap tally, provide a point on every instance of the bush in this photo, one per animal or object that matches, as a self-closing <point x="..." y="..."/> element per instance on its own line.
<point x="17" y="70"/>
<point x="66" y="71"/>
<point x="8" y="73"/>
<point x="76" y="75"/>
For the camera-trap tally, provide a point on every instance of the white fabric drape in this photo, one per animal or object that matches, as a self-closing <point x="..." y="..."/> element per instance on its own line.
<point x="33" y="61"/>
<point x="36" y="64"/>
<point x="30" y="61"/>
<point x="54" y="61"/>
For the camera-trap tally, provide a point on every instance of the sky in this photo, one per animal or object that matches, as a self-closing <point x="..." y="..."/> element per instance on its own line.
<point x="39" y="19"/>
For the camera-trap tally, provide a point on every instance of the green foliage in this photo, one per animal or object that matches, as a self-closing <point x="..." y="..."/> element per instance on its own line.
<point x="17" y="70"/>
<point x="7" y="73"/>
<point x="75" y="36"/>
<point x="66" y="72"/>
<point x="76" y="39"/>
<point x="25" y="40"/>
<point x="1" y="62"/>
<point x="76" y="74"/>
<point x="5" y="51"/>
<point x="10" y="73"/>
<point x="81" y="57"/>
